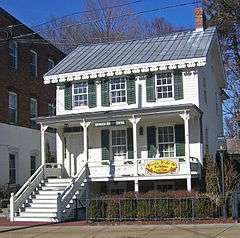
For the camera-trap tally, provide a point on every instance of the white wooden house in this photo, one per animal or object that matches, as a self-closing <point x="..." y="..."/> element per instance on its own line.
<point x="131" y="116"/>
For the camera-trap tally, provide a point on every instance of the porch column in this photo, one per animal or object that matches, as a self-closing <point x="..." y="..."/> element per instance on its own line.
<point x="136" y="186"/>
<point x="185" y="116"/>
<point x="43" y="149"/>
<point x="85" y="126"/>
<point x="134" y="121"/>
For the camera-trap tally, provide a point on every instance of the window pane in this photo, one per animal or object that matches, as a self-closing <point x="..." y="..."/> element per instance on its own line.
<point x="118" y="90"/>
<point x="80" y="94"/>
<point x="164" y="85"/>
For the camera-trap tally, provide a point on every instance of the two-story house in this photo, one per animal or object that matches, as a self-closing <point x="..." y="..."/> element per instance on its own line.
<point x="131" y="116"/>
<point x="25" y="58"/>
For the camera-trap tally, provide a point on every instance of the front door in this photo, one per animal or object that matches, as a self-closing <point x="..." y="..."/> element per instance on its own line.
<point x="75" y="157"/>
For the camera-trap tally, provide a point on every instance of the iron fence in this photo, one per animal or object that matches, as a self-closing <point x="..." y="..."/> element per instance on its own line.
<point x="127" y="209"/>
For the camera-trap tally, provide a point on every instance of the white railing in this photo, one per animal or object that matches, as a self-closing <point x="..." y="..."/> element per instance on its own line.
<point x="126" y="167"/>
<point x="63" y="200"/>
<point x="17" y="200"/>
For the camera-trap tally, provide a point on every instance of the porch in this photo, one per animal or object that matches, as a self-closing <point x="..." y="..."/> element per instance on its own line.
<point x="130" y="145"/>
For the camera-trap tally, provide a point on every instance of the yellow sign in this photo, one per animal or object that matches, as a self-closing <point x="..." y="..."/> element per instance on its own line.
<point x="161" y="166"/>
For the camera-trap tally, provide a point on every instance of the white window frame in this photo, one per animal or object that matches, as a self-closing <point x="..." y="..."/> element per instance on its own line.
<point x="15" y="167"/>
<point x="36" y="106"/>
<point x="157" y="86"/>
<point x="10" y="93"/>
<point x="112" y="146"/>
<point x="13" y="53"/>
<point x="79" y="94"/>
<point x="117" y="90"/>
<point x="52" y="62"/>
<point x="166" y="143"/>
<point x="35" y="64"/>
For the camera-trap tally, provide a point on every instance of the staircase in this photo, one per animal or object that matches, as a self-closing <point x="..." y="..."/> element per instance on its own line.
<point x="42" y="206"/>
<point x="47" y="198"/>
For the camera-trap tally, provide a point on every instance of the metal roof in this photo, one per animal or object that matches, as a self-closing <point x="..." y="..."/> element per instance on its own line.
<point x="176" y="46"/>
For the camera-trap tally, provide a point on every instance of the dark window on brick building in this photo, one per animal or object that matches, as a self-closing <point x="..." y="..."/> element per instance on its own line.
<point x="12" y="107"/>
<point x="33" y="110"/>
<point x="13" y="54"/>
<point x="33" y="64"/>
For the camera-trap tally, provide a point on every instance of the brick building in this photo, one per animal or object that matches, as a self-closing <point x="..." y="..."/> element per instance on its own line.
<point x="25" y="58"/>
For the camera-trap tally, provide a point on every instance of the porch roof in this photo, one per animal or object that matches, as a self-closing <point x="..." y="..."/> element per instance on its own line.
<point x="117" y="114"/>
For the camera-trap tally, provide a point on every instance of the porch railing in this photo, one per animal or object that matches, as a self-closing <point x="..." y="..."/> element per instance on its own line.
<point x="44" y="171"/>
<point x="126" y="167"/>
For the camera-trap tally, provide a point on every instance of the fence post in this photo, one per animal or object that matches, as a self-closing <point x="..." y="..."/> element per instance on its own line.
<point x="12" y="210"/>
<point x="193" y="209"/>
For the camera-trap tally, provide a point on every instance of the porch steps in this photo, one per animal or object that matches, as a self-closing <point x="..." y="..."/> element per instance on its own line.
<point x="42" y="205"/>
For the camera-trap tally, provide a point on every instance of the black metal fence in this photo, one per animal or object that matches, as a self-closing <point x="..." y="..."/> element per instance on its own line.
<point x="127" y="209"/>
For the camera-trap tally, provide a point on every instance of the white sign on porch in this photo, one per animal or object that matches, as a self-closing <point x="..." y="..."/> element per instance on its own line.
<point x="110" y="123"/>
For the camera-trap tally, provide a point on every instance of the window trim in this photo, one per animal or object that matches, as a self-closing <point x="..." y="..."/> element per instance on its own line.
<point x="110" y="92"/>
<point x="174" y="141"/>
<point x="156" y="86"/>
<point x="111" y="144"/>
<point x="15" y="164"/>
<point x="36" y="63"/>
<point x="12" y="93"/>
<point x="53" y="63"/>
<point x="15" y="56"/>
<point x="33" y="123"/>
<point x="73" y="94"/>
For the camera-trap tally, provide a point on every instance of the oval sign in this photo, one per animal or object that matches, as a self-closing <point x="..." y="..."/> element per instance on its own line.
<point x="161" y="166"/>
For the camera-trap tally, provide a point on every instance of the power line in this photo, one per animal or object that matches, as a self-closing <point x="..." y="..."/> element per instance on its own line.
<point x="112" y="18"/>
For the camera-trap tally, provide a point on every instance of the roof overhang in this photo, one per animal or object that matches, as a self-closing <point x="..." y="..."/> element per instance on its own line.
<point x="125" y="70"/>
<point x="55" y="121"/>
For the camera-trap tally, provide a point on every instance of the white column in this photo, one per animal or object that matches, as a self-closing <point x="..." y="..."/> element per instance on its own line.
<point x="60" y="146"/>
<point x="189" y="184"/>
<point x="43" y="153"/>
<point x="136" y="187"/>
<point x="85" y="126"/>
<point x="134" y="121"/>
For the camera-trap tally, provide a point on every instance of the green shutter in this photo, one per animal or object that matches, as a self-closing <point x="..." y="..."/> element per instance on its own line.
<point x="131" y="91"/>
<point x="150" y="87"/>
<point x="105" y="145"/>
<point x="180" y="140"/>
<point x="130" y="143"/>
<point x="105" y="92"/>
<point x="91" y="93"/>
<point x="178" y="84"/>
<point x="68" y="96"/>
<point x="151" y="141"/>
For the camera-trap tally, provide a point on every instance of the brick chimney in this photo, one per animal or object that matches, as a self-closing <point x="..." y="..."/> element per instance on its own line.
<point x="200" y="19"/>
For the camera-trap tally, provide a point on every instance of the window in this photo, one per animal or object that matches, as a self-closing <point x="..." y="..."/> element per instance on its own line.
<point x="51" y="109"/>
<point x="118" y="90"/>
<point x="164" y="85"/>
<point x="50" y="64"/>
<point x="33" y="64"/>
<point x="33" y="164"/>
<point x="12" y="106"/>
<point x="33" y="110"/>
<point x="166" y="141"/>
<point x="13" y="54"/>
<point x="119" y="143"/>
<point x="80" y="94"/>
<point x="12" y="168"/>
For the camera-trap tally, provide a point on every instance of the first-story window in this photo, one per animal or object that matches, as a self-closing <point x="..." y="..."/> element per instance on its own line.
<point x="166" y="141"/>
<point x="80" y="94"/>
<point x="119" y="143"/>
<point x="164" y="85"/>
<point x="33" y="164"/>
<point x="33" y="110"/>
<point x="12" y="168"/>
<point x="12" y="106"/>
<point x="118" y="90"/>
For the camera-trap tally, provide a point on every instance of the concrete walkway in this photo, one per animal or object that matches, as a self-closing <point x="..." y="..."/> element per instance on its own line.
<point x="123" y="231"/>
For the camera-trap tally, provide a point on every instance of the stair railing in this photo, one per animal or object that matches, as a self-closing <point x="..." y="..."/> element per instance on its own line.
<point x="63" y="200"/>
<point x="17" y="200"/>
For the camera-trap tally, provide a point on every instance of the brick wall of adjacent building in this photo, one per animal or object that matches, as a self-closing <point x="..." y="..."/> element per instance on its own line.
<point x="20" y="80"/>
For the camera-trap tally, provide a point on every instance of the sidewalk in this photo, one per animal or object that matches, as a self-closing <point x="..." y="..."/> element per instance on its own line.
<point x="68" y="230"/>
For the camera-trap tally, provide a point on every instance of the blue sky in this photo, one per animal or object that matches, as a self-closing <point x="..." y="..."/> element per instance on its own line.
<point x="33" y="12"/>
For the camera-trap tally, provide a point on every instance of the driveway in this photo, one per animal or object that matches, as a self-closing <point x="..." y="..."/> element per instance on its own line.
<point x="123" y="231"/>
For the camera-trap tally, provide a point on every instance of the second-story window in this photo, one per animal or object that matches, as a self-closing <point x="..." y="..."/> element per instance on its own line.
<point x="13" y="54"/>
<point x="80" y="94"/>
<point x="12" y="106"/>
<point x="50" y="64"/>
<point x="164" y="85"/>
<point x="118" y="90"/>
<point x="33" y="110"/>
<point x="33" y="64"/>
